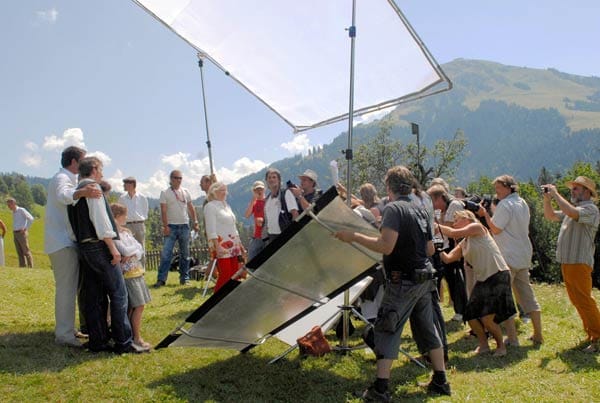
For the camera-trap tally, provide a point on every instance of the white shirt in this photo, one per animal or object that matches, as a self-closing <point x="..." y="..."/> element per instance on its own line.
<point x="273" y="208"/>
<point x="22" y="219"/>
<point x="57" y="229"/>
<point x="512" y="217"/>
<point x="137" y="206"/>
<point x="99" y="214"/>
<point x="177" y="205"/>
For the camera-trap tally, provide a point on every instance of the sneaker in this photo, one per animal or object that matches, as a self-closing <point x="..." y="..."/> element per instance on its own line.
<point x="372" y="395"/>
<point x="184" y="282"/>
<point x="457" y="317"/>
<point x="159" y="283"/>
<point x="440" y="389"/>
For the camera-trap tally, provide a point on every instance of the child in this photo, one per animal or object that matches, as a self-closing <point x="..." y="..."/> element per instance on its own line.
<point x="133" y="272"/>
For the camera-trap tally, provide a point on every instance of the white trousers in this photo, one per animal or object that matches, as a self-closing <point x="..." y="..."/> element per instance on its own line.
<point x="65" y="266"/>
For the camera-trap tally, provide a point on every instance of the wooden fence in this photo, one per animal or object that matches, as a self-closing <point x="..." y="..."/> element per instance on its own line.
<point x="153" y="257"/>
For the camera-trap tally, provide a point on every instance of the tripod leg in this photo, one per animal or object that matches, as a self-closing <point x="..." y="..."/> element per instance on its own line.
<point x="207" y="279"/>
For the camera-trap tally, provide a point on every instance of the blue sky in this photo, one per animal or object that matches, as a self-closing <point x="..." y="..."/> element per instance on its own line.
<point x="107" y="76"/>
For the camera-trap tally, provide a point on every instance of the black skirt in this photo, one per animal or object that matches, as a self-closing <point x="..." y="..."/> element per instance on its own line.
<point x="492" y="296"/>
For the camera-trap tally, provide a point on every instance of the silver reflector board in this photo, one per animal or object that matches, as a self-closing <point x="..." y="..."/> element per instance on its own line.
<point x="296" y="274"/>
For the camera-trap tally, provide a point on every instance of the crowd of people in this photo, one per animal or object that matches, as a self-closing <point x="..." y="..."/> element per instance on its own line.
<point x="483" y="252"/>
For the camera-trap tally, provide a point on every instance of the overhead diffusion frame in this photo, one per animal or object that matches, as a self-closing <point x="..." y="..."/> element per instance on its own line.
<point x="295" y="275"/>
<point x="294" y="55"/>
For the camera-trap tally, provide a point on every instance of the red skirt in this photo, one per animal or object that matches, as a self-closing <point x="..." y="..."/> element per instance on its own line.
<point x="227" y="267"/>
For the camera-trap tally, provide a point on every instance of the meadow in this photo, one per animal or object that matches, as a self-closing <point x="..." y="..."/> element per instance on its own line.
<point x="34" y="369"/>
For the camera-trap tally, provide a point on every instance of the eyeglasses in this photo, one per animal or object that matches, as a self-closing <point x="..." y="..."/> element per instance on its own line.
<point x="177" y="177"/>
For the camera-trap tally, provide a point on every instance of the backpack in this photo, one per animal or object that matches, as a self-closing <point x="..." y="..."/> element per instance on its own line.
<point x="285" y="217"/>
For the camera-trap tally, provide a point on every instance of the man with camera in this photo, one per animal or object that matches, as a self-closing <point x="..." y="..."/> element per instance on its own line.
<point x="510" y="228"/>
<point x="452" y="272"/>
<point x="575" y="249"/>
<point x="307" y="192"/>
<point x="406" y="243"/>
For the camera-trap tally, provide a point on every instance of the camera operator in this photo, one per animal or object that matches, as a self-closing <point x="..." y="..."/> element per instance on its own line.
<point x="510" y="228"/>
<point x="307" y="192"/>
<point x="452" y="272"/>
<point x="575" y="249"/>
<point x="405" y="241"/>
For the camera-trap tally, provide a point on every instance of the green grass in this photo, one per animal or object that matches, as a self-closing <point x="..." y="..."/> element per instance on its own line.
<point x="32" y="368"/>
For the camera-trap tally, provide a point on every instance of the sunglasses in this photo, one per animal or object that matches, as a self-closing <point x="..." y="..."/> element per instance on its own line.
<point x="177" y="177"/>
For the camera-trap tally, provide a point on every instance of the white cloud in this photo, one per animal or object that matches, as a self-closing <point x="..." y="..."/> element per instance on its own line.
<point x="106" y="160"/>
<point x="192" y="170"/>
<point x="299" y="144"/>
<point x="70" y="137"/>
<point x="369" y="117"/>
<point x="49" y="16"/>
<point x="32" y="160"/>
<point x="31" y="157"/>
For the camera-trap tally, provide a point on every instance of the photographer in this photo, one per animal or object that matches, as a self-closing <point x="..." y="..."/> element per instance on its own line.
<point x="452" y="272"/>
<point x="405" y="242"/>
<point x="510" y="228"/>
<point x="575" y="249"/>
<point x="307" y="193"/>
<point x="491" y="301"/>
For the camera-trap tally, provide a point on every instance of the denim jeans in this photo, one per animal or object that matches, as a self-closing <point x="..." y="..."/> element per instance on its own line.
<point x="102" y="279"/>
<point x="181" y="234"/>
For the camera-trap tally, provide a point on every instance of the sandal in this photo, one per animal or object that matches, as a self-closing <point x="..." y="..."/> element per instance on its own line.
<point x="536" y="342"/>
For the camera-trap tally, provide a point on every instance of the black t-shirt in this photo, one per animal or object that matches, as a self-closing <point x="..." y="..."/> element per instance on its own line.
<point x="412" y="225"/>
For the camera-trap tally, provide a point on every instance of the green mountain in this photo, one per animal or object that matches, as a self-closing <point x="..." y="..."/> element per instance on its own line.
<point x="516" y="121"/>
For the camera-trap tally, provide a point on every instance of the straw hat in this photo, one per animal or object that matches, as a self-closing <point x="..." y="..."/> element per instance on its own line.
<point x="585" y="182"/>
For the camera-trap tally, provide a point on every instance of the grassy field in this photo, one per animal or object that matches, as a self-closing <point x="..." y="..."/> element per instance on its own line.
<point x="33" y="368"/>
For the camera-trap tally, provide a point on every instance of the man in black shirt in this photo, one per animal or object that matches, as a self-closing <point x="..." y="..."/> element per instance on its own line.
<point x="405" y="242"/>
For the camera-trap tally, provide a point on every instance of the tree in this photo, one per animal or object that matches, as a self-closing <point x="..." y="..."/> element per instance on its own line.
<point x="39" y="194"/>
<point x="442" y="160"/>
<point x="22" y="195"/>
<point x="375" y="157"/>
<point x="372" y="159"/>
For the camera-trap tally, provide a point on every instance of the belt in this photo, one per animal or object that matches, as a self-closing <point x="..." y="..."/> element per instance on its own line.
<point x="135" y="222"/>
<point x="90" y="240"/>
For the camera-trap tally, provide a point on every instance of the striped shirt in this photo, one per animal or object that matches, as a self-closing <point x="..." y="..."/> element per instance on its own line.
<point x="576" y="238"/>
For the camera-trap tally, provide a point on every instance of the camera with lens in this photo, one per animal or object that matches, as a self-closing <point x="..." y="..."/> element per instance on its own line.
<point x="545" y="189"/>
<point x="472" y="203"/>
<point x="290" y="184"/>
<point x="487" y="202"/>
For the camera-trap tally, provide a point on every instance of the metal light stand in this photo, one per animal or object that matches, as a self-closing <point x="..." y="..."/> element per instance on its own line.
<point x="208" y="145"/>
<point x="347" y="307"/>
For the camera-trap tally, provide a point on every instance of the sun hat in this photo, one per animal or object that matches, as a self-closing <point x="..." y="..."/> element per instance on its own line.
<point x="258" y="185"/>
<point x="310" y="174"/>
<point x="585" y="182"/>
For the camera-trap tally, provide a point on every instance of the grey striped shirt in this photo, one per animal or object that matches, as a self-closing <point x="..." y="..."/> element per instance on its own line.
<point x="576" y="238"/>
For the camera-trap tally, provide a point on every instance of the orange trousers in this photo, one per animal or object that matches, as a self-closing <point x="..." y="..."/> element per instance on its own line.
<point x="578" y="280"/>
